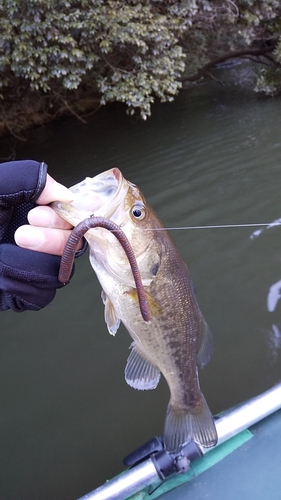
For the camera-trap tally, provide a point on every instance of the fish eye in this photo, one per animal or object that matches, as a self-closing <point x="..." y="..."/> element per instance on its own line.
<point x="138" y="212"/>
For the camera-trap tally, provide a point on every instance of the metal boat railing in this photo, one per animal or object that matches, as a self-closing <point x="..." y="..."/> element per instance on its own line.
<point x="152" y="469"/>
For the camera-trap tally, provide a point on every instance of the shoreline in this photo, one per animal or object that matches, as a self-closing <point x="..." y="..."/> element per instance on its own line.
<point x="19" y="113"/>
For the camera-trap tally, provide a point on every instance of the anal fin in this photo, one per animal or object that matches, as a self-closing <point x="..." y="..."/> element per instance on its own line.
<point x="140" y="373"/>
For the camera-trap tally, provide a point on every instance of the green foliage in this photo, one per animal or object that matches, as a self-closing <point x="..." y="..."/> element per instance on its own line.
<point x="130" y="51"/>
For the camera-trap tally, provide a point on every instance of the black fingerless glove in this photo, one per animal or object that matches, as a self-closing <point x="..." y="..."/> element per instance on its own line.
<point x="28" y="279"/>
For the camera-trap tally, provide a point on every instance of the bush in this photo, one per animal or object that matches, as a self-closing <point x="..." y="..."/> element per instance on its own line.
<point x="54" y="53"/>
<point x="127" y="51"/>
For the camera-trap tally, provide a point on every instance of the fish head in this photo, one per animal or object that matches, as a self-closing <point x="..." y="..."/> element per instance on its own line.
<point x="111" y="196"/>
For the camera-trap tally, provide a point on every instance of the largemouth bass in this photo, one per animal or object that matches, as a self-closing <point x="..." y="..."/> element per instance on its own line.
<point x="177" y="338"/>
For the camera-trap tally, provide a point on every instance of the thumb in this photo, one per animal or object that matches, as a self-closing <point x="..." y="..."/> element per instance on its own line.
<point x="54" y="191"/>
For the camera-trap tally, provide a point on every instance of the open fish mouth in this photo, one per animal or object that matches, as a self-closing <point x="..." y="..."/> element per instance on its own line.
<point x="100" y="196"/>
<point x="95" y="193"/>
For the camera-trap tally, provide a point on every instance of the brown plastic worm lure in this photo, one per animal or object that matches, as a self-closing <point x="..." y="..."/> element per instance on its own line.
<point x="72" y="243"/>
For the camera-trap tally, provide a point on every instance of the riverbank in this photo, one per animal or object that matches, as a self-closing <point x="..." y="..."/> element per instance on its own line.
<point x="22" y="109"/>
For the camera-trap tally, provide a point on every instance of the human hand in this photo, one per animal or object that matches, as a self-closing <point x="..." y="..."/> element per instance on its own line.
<point x="28" y="278"/>
<point x="47" y="231"/>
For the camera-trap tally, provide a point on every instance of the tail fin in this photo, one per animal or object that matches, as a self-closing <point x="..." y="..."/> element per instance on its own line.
<point x="195" y="423"/>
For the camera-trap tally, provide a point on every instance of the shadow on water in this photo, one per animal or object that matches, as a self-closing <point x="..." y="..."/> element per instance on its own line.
<point x="212" y="157"/>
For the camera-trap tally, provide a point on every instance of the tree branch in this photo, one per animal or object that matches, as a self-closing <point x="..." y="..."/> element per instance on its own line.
<point x="228" y="55"/>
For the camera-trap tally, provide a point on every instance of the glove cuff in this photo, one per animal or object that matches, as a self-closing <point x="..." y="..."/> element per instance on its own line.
<point x="21" y="182"/>
<point x="33" y="284"/>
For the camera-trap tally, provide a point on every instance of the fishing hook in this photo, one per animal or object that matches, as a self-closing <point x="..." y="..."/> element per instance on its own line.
<point x="71" y="247"/>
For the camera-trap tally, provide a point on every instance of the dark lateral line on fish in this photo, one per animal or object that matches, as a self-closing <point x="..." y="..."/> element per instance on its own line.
<point x="220" y="226"/>
<point x="71" y="247"/>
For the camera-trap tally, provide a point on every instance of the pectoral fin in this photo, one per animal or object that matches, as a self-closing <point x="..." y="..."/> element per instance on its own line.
<point x="140" y="373"/>
<point x="154" y="308"/>
<point x="110" y="316"/>
<point x="205" y="344"/>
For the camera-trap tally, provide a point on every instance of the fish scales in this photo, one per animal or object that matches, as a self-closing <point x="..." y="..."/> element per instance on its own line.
<point x="177" y="338"/>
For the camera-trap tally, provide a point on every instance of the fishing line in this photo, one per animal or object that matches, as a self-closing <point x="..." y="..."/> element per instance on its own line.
<point x="219" y="226"/>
